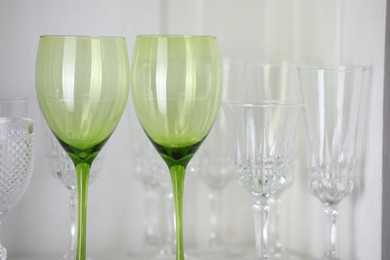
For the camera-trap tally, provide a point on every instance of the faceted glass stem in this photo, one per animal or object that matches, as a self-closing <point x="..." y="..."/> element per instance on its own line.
<point x="3" y="251"/>
<point x="170" y="244"/>
<point x="73" y="221"/>
<point x="150" y="220"/>
<point x="177" y="177"/>
<point x="331" y="213"/>
<point x="278" y="248"/>
<point x="215" y="218"/>
<point x="260" y="211"/>
<point x="82" y="182"/>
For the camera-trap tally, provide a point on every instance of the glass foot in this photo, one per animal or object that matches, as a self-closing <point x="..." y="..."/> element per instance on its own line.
<point x="173" y="257"/>
<point x="328" y="256"/>
<point x="71" y="256"/>
<point x="285" y="255"/>
<point x="144" y="252"/>
<point x="216" y="253"/>
<point x="3" y="253"/>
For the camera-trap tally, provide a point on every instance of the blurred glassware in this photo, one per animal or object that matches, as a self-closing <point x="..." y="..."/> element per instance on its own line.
<point x="216" y="170"/>
<point x="14" y="108"/>
<point x="168" y="250"/>
<point x="145" y="165"/>
<point x="62" y="168"/>
<point x="16" y="162"/>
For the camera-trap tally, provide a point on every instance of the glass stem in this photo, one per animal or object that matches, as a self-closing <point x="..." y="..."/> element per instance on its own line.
<point x="3" y="251"/>
<point x="73" y="220"/>
<point x="150" y="219"/>
<point x="215" y="213"/>
<point x="278" y="246"/>
<point x="82" y="185"/>
<point x="260" y="211"/>
<point x="331" y="213"/>
<point x="171" y="230"/>
<point x="177" y="177"/>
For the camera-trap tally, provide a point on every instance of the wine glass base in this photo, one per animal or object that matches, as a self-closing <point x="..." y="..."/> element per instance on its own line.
<point x="285" y="255"/>
<point x="330" y="257"/>
<point x="216" y="253"/>
<point x="173" y="257"/>
<point x="71" y="256"/>
<point x="143" y="252"/>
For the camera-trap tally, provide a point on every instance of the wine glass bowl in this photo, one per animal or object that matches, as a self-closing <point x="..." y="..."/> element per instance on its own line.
<point x="176" y="89"/>
<point x="16" y="163"/>
<point x="82" y="84"/>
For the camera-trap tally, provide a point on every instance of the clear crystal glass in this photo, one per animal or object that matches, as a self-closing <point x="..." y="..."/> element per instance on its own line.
<point x="332" y="98"/>
<point x="263" y="120"/>
<point x="216" y="169"/>
<point x="16" y="163"/>
<point x="146" y="164"/>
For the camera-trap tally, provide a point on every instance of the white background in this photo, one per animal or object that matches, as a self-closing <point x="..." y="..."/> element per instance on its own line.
<point x="300" y="31"/>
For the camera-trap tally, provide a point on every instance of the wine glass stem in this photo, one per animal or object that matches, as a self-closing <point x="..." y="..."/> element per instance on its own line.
<point x="150" y="220"/>
<point x="215" y="213"/>
<point x="260" y="211"/>
<point x="331" y="213"/>
<point x="82" y="185"/>
<point x="177" y="177"/>
<point x="73" y="219"/>
<point x="278" y="246"/>
<point x="171" y="229"/>
<point x="3" y="250"/>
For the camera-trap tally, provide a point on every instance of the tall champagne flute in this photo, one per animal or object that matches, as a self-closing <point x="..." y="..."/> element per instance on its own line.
<point x="332" y="99"/>
<point x="264" y="120"/>
<point x="82" y="84"/>
<point x="176" y="88"/>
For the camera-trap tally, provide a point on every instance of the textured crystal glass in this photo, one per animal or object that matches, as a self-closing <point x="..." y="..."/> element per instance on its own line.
<point x="263" y="134"/>
<point x="332" y="98"/>
<point x="16" y="163"/>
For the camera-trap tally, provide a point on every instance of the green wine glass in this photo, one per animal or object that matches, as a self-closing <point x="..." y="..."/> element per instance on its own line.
<point x="82" y="85"/>
<point x="176" y="89"/>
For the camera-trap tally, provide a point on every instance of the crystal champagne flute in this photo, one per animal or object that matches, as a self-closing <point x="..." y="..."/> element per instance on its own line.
<point x="332" y="98"/>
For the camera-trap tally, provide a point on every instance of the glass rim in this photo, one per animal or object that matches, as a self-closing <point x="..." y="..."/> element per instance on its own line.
<point x="14" y="99"/>
<point x="340" y="68"/>
<point x="20" y="120"/>
<point x="171" y="36"/>
<point x="16" y="120"/>
<point x="103" y="37"/>
<point x="271" y="103"/>
<point x="251" y="64"/>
